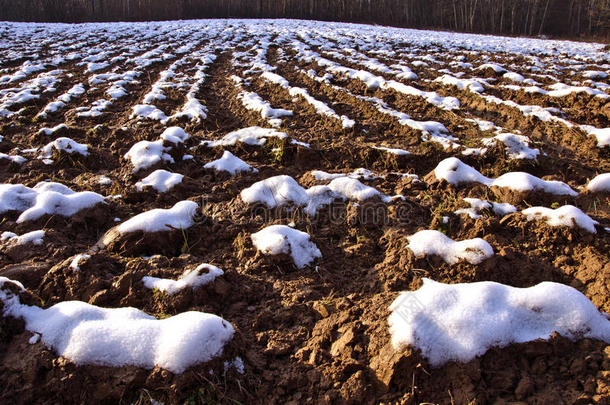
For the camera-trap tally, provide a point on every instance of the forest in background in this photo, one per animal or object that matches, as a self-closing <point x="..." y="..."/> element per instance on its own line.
<point x="556" y="18"/>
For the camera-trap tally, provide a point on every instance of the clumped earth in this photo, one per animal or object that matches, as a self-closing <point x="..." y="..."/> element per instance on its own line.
<point x="318" y="334"/>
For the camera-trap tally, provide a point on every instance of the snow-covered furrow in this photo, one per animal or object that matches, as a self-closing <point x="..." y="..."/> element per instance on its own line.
<point x="547" y="114"/>
<point x="253" y="102"/>
<point x="431" y="131"/>
<point x="62" y="101"/>
<point x="298" y="92"/>
<point x="33" y="89"/>
<point x="184" y="75"/>
<point x="372" y="81"/>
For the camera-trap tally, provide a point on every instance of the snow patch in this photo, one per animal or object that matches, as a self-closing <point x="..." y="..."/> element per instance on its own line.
<point x="568" y="215"/>
<point x="175" y="135"/>
<point x="34" y="237"/>
<point x="64" y="144"/>
<point x="394" y="151"/>
<point x="278" y="239"/>
<point x="160" y="180"/>
<point x="194" y="278"/>
<point x="75" y="263"/>
<point x="477" y="205"/>
<point x="459" y="322"/>
<point x="45" y="198"/>
<point x="600" y="184"/>
<point x="456" y="172"/>
<point x="250" y="136"/>
<point x="180" y="216"/>
<point x="430" y="242"/>
<point x="116" y="337"/>
<point x="145" y="154"/>
<point x="517" y="146"/>
<point x="230" y="163"/>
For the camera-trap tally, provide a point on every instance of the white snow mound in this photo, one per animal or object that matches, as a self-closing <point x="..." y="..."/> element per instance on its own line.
<point x="45" y="198"/>
<point x="275" y="191"/>
<point x="250" y="136"/>
<point x="600" y="184"/>
<point x="194" y="278"/>
<point x="180" y="216"/>
<point x="34" y="237"/>
<point x="430" y="242"/>
<point x="116" y="337"/>
<point x="278" y="239"/>
<point x="283" y="190"/>
<point x="353" y="189"/>
<point x="64" y="144"/>
<point x="230" y="163"/>
<point x="145" y="154"/>
<point x="459" y="322"/>
<point x="160" y="180"/>
<point x="477" y="205"/>
<point x="456" y="172"/>
<point x="174" y="135"/>
<point x="568" y="215"/>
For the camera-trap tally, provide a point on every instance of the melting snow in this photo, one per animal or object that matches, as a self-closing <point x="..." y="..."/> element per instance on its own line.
<point x="75" y="263"/>
<point x="517" y="146"/>
<point x="400" y="152"/>
<point x="145" y="154"/>
<point x="430" y="242"/>
<point x="175" y="135"/>
<point x="477" y="205"/>
<point x="65" y="145"/>
<point x="45" y="198"/>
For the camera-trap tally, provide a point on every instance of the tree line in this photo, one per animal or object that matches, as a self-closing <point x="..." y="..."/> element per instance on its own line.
<point x="558" y="18"/>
